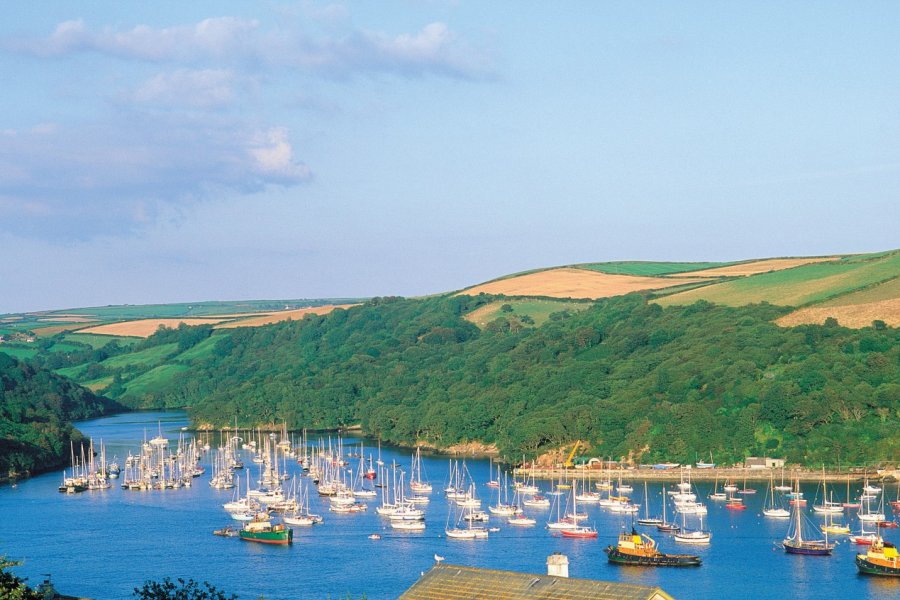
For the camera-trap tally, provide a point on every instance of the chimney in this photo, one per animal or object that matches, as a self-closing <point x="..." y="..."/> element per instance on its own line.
<point x="558" y="565"/>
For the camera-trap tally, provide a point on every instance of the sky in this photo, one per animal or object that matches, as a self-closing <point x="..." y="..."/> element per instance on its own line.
<point x="185" y="151"/>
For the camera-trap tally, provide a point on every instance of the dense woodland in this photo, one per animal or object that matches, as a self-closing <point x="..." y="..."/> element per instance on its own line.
<point x="36" y="411"/>
<point x="632" y="379"/>
<point x="628" y="377"/>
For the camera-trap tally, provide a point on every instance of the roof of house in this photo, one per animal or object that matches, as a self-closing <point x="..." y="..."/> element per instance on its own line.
<point x="454" y="582"/>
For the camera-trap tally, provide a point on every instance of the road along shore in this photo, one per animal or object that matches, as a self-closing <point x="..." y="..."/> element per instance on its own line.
<point x="737" y="474"/>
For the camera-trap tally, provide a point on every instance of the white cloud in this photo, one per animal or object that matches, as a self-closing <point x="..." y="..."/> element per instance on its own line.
<point x="274" y="157"/>
<point x="219" y="41"/>
<point x="82" y="181"/>
<point x="207" y="88"/>
<point x="217" y="37"/>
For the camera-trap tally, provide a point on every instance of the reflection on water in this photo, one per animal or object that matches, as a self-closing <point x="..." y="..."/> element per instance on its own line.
<point x="103" y="544"/>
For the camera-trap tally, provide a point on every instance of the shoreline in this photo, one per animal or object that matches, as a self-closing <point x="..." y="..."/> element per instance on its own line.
<point x="735" y="474"/>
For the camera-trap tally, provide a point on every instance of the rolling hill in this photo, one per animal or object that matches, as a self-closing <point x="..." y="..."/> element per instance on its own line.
<point x="651" y="360"/>
<point x="853" y="289"/>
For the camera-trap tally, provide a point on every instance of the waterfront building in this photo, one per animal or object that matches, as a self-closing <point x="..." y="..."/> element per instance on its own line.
<point x="455" y="582"/>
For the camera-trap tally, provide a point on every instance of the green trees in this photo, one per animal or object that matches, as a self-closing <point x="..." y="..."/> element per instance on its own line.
<point x="626" y="376"/>
<point x="183" y="590"/>
<point x="36" y="410"/>
<point x="12" y="587"/>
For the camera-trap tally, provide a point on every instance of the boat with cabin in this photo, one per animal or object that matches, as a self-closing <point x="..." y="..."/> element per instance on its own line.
<point x="640" y="550"/>
<point x="881" y="558"/>
<point x="262" y="530"/>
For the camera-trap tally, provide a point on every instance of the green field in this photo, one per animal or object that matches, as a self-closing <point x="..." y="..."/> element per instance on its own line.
<point x="153" y="379"/>
<point x="63" y="347"/>
<point x="885" y="291"/>
<point x="73" y="373"/>
<point x="147" y="358"/>
<point x="18" y="351"/>
<point x="800" y="286"/>
<point x="538" y="310"/>
<point x="201" y="350"/>
<point x="650" y="269"/>
<point x="98" y="385"/>
<point x="99" y="341"/>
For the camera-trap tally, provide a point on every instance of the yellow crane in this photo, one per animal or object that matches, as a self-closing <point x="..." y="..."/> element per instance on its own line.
<point x="569" y="464"/>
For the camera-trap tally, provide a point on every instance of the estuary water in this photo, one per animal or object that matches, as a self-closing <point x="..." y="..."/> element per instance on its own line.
<point x="103" y="544"/>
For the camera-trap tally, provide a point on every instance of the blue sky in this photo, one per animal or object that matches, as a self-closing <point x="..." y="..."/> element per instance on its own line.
<point x="167" y="152"/>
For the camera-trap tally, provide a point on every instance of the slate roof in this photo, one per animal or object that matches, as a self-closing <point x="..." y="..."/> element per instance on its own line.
<point x="453" y="582"/>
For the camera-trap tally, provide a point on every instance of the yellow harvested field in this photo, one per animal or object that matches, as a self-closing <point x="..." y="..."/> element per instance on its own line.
<point x="144" y="327"/>
<point x="54" y="329"/>
<point x="858" y="309"/>
<point x="850" y="315"/>
<point x="753" y="268"/>
<point x="575" y="283"/>
<point x="283" y="315"/>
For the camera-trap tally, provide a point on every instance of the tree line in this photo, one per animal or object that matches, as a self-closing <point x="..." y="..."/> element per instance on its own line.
<point x="631" y="379"/>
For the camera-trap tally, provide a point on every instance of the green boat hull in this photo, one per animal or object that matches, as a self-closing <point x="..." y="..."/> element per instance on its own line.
<point x="869" y="568"/>
<point x="285" y="536"/>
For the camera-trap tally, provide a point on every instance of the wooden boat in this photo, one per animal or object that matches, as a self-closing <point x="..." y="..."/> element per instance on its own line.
<point x="881" y="559"/>
<point x="794" y="543"/>
<point x="262" y="530"/>
<point x="640" y="550"/>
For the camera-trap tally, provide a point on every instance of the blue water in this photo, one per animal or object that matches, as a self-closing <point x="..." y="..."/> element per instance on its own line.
<point x="102" y="544"/>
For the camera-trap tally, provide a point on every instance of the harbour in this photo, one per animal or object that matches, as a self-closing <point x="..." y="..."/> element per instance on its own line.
<point x="103" y="543"/>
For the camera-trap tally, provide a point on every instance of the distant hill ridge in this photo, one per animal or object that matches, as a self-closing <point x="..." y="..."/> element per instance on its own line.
<point x="853" y="289"/>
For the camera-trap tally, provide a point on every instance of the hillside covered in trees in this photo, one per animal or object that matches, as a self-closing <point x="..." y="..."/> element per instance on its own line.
<point x="37" y="408"/>
<point x="631" y="378"/>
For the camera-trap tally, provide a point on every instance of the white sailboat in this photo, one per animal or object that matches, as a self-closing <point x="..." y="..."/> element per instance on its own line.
<point x="772" y="508"/>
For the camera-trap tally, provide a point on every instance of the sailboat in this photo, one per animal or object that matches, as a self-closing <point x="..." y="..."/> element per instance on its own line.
<point x="850" y="503"/>
<point x="493" y="483"/>
<point x="866" y="514"/>
<point x="560" y="522"/>
<point x="863" y="538"/>
<point x="302" y="516"/>
<point x="647" y="519"/>
<point x="831" y="527"/>
<point x="520" y="519"/>
<point x="417" y="483"/>
<point x="716" y="494"/>
<point x="782" y="487"/>
<point x="693" y="536"/>
<point x="470" y="532"/>
<point x="772" y="509"/>
<point x="794" y="543"/>
<point x="502" y="508"/>
<point x="578" y="531"/>
<point x="827" y="506"/>
<point x="664" y="526"/>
